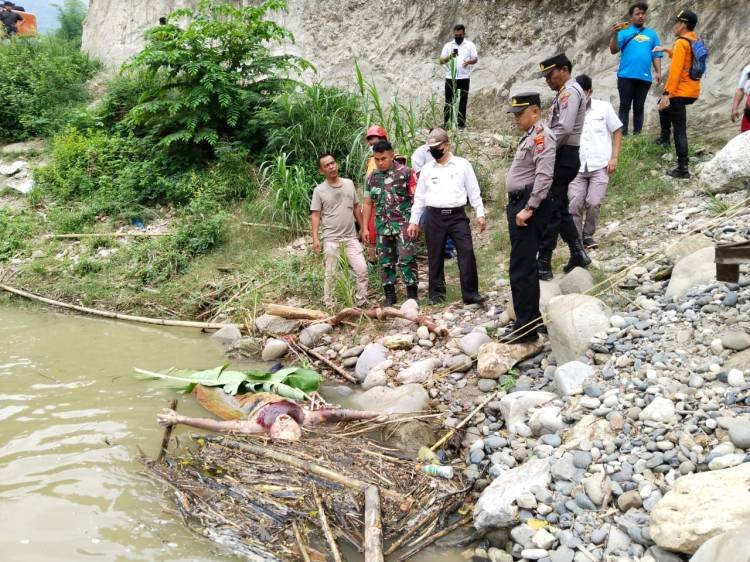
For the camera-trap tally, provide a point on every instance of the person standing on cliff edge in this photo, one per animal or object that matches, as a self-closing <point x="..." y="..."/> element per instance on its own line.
<point x="458" y="56"/>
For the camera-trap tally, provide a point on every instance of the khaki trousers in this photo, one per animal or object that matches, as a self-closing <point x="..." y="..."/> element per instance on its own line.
<point x="586" y="194"/>
<point x="355" y="255"/>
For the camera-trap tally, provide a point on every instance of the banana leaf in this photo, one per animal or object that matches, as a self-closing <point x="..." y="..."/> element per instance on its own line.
<point x="291" y="382"/>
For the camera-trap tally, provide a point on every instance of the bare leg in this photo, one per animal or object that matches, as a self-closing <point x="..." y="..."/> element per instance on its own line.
<point x="334" y="415"/>
<point x="241" y="427"/>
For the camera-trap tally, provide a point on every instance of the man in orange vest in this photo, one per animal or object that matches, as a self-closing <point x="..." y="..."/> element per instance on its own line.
<point x="9" y="18"/>
<point x="680" y="90"/>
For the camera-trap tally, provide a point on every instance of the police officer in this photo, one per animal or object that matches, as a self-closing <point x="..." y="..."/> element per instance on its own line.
<point x="566" y="122"/>
<point x="390" y="188"/>
<point x="528" y="184"/>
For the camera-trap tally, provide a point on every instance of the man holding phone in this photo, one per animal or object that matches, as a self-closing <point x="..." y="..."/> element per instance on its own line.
<point x="635" y="42"/>
<point x="458" y="56"/>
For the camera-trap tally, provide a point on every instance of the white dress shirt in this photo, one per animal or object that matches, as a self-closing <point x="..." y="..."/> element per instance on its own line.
<point x="596" y="139"/>
<point x="420" y="157"/>
<point x="446" y="186"/>
<point x="466" y="50"/>
<point x="744" y="83"/>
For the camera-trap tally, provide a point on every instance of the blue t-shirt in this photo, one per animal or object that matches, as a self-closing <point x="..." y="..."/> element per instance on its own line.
<point x="636" y="57"/>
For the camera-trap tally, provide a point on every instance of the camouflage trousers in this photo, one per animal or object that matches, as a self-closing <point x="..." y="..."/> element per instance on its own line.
<point x="397" y="249"/>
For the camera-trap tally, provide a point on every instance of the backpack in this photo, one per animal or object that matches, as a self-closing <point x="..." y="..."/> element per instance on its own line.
<point x="698" y="61"/>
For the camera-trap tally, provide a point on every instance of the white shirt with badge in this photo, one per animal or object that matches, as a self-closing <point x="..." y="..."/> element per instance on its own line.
<point x="596" y="139"/>
<point x="466" y="50"/>
<point x="744" y="83"/>
<point x="446" y="186"/>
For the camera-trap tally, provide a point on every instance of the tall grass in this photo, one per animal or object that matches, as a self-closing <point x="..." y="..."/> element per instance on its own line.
<point x="287" y="189"/>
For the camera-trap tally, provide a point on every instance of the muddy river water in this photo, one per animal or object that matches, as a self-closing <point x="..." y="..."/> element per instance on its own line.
<point x="72" y="417"/>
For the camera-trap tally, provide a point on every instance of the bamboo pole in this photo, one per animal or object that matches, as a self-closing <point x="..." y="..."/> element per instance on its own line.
<point x="167" y="434"/>
<point x="117" y="315"/>
<point x="463" y="422"/>
<point x="105" y="235"/>
<point x="326" y="528"/>
<point x="373" y="526"/>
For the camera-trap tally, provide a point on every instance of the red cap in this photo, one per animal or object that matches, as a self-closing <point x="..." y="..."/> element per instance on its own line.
<point x="376" y="131"/>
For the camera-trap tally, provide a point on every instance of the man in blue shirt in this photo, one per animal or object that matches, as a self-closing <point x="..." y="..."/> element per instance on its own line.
<point x="636" y="43"/>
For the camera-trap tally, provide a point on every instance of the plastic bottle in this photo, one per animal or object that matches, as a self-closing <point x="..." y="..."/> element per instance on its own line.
<point x="434" y="470"/>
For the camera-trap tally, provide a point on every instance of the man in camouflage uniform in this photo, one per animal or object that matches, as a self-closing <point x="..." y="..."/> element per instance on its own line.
<point x="390" y="188"/>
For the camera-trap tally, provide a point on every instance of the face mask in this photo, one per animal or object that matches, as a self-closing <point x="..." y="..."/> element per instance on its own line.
<point x="458" y="40"/>
<point x="437" y="153"/>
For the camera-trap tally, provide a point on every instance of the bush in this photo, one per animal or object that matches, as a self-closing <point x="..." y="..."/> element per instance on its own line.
<point x="70" y="16"/>
<point x="15" y="231"/>
<point x="42" y="80"/>
<point x="289" y="190"/>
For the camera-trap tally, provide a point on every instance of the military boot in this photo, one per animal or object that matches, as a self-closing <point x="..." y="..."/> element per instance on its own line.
<point x="390" y="295"/>
<point x="544" y="265"/>
<point x="578" y="256"/>
<point x="411" y="292"/>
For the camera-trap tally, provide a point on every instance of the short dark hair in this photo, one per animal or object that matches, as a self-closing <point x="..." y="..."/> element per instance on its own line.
<point x="324" y="155"/>
<point x="382" y="146"/>
<point x="584" y="81"/>
<point x="459" y="27"/>
<point x="638" y="5"/>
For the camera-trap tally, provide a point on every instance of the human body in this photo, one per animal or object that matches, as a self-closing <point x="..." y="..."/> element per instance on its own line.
<point x="335" y="205"/>
<point x="442" y="192"/>
<point x="743" y="90"/>
<point x="600" y="148"/>
<point x="458" y="56"/>
<point x="9" y="18"/>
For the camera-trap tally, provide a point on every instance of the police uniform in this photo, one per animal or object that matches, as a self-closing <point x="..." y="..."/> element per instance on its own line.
<point x="566" y="122"/>
<point x="391" y="193"/>
<point x="528" y="183"/>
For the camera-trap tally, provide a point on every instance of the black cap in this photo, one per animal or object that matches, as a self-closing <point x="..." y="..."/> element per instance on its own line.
<point x="690" y="18"/>
<point x="557" y="61"/>
<point x="519" y="102"/>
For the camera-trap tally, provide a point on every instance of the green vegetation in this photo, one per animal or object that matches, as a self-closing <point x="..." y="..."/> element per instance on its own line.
<point x="70" y="16"/>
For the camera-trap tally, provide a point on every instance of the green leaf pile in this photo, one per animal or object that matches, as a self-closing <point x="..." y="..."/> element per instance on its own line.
<point x="292" y="382"/>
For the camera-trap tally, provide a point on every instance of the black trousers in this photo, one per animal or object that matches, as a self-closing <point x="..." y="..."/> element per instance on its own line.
<point x="559" y="221"/>
<point x="632" y="92"/>
<point x="462" y="85"/>
<point x="440" y="224"/>
<point x="675" y="117"/>
<point x="524" y="244"/>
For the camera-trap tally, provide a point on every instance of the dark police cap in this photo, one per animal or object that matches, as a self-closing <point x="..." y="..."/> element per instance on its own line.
<point x="557" y="61"/>
<point x="519" y="102"/>
<point x="690" y="18"/>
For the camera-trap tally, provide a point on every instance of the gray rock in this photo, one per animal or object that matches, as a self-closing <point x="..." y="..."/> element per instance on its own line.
<point x="487" y="385"/>
<point x="274" y="349"/>
<point x="572" y="320"/>
<point x="515" y="406"/>
<point x="736" y="340"/>
<point x="579" y="280"/>
<point x="355" y="351"/>
<point x="472" y="341"/>
<point x="618" y="541"/>
<point x="374" y="354"/>
<point x="312" y="335"/>
<point x="534" y="553"/>
<point x="565" y="469"/>
<point x="598" y="536"/>
<point x="731" y="546"/>
<point x="569" y="377"/>
<point x="629" y="500"/>
<point x="349" y="362"/>
<point x="598" y="488"/>
<point x="275" y="325"/>
<point x="659" y="410"/>
<point x="562" y="554"/>
<point x="459" y="363"/>
<point x="728" y="169"/>
<point x="498" y="555"/>
<point x="419" y="371"/>
<point x="684" y="246"/>
<point x="376" y="377"/>
<point x="691" y="271"/>
<point x="227" y="336"/>
<point x="551" y="439"/>
<point x="584" y="502"/>
<point x="400" y="400"/>
<point x="739" y="433"/>
<point x="523" y="535"/>
<point x="740" y="360"/>
<point x="582" y="459"/>
<point x="410" y="436"/>
<point x="661" y="555"/>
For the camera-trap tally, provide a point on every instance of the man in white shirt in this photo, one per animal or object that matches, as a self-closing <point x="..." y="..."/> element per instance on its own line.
<point x="458" y="56"/>
<point x="743" y="89"/>
<point x="600" y="147"/>
<point x="442" y="191"/>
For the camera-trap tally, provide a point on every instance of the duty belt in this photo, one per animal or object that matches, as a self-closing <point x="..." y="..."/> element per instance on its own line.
<point x="519" y="194"/>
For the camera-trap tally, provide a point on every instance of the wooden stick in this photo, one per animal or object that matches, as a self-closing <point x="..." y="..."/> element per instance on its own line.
<point x="301" y="464"/>
<point x="326" y="528"/>
<point x="428" y="515"/>
<point x="327" y="362"/>
<point x="294" y="313"/>
<point x="373" y="526"/>
<point x="383" y="314"/>
<point x="463" y="422"/>
<point x="300" y="544"/>
<point x="117" y="315"/>
<point x="105" y="235"/>
<point x="167" y="434"/>
<point x="439" y="535"/>
<point x="265" y="225"/>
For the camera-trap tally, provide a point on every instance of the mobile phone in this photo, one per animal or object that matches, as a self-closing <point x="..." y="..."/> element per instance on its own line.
<point x="455" y="52"/>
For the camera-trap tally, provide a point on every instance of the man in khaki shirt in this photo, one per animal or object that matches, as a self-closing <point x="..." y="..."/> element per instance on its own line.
<point x="335" y="205"/>
<point x="528" y="183"/>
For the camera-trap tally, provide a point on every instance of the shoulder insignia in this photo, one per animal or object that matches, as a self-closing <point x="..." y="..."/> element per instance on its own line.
<point x="565" y="95"/>
<point x="539" y="143"/>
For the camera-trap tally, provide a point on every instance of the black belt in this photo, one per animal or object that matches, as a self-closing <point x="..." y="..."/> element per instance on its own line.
<point x="445" y="211"/>
<point x="519" y="194"/>
<point x="571" y="146"/>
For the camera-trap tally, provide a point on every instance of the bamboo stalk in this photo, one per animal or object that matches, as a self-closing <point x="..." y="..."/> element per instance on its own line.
<point x="300" y="544"/>
<point x="266" y="225"/>
<point x="463" y="422"/>
<point x="439" y="535"/>
<point x="105" y="235"/>
<point x="327" y="362"/>
<point x="117" y="315"/>
<point x="373" y="526"/>
<point x="167" y="434"/>
<point x="326" y="528"/>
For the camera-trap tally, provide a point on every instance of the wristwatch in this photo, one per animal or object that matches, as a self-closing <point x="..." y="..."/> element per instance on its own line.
<point x="529" y="208"/>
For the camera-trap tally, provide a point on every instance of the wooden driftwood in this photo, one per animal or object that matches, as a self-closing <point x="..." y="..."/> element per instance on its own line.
<point x="427" y="541"/>
<point x="167" y="434"/>
<point x="315" y="355"/>
<point x="384" y="314"/>
<point x="294" y="313"/>
<point x="327" y="528"/>
<point x="373" y="526"/>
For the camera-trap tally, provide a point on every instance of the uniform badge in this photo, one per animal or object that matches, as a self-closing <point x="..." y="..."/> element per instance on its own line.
<point x="539" y="143"/>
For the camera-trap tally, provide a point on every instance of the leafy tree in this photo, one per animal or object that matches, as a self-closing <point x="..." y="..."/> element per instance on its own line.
<point x="70" y="16"/>
<point x="211" y="75"/>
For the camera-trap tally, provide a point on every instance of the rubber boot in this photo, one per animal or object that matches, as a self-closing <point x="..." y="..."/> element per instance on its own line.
<point x="544" y="266"/>
<point x="411" y="292"/>
<point x="390" y="295"/>
<point x="578" y="256"/>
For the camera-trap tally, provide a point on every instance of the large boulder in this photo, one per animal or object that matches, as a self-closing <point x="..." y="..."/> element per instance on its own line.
<point x="547" y="291"/>
<point x="739" y="361"/>
<point x="472" y="341"/>
<point x="579" y="280"/>
<point x="685" y="246"/>
<point x="227" y="336"/>
<point x="275" y="325"/>
<point x="374" y="354"/>
<point x="495" y="359"/>
<point x="419" y="371"/>
<point x="571" y="321"/>
<point x="496" y="507"/>
<point x="516" y="405"/>
<point x="400" y="400"/>
<point x="730" y="168"/>
<point x="410" y="436"/>
<point x="312" y="335"/>
<point x="701" y="506"/>
<point x="695" y="269"/>
<point x="732" y="546"/>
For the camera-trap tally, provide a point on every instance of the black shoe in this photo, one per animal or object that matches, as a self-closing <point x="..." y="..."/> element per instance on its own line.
<point x="522" y="336"/>
<point x="664" y="143"/>
<point x="411" y="292"/>
<point x="578" y="257"/>
<point x="390" y="295"/>
<point x="479" y="299"/>
<point x="679" y="173"/>
<point x="541" y="328"/>
<point x="589" y="243"/>
<point x="544" y="265"/>
<point x="437" y="300"/>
